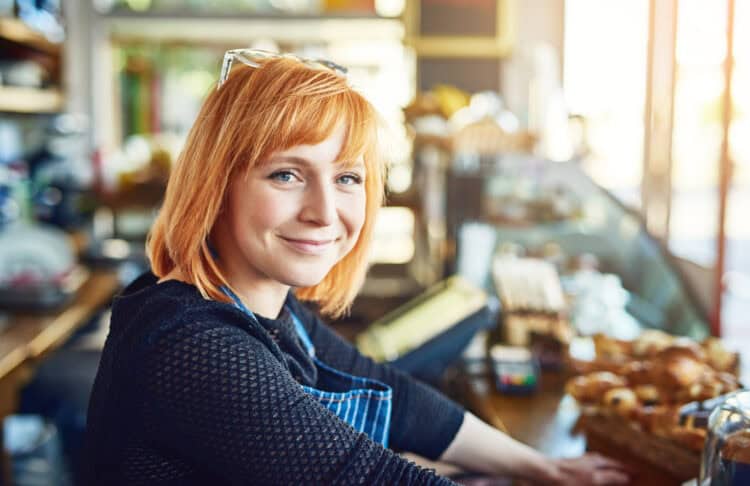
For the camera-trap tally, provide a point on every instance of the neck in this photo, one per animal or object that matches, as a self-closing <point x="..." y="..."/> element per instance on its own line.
<point x="265" y="299"/>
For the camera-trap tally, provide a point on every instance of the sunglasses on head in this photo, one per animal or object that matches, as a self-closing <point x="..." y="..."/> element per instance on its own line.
<point x="255" y="57"/>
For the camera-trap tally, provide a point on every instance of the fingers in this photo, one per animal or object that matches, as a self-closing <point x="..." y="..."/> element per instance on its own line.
<point x="594" y="469"/>
<point x="604" y="462"/>
<point x="610" y="476"/>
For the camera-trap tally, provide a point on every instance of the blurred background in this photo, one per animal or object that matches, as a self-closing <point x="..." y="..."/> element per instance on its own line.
<point x="600" y="137"/>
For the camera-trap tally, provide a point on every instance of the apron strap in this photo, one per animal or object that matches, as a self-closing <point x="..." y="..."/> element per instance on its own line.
<point x="302" y="332"/>
<point x="238" y="303"/>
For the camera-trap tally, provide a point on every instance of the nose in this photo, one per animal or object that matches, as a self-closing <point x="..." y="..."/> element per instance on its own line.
<point x="319" y="205"/>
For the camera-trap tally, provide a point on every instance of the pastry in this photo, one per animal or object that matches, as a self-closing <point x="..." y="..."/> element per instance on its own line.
<point x="610" y="348"/>
<point x="621" y="401"/>
<point x="661" y="384"/>
<point x="682" y="348"/>
<point x="651" y="342"/>
<point x="592" y="387"/>
<point x="677" y="370"/>
<point x="637" y="372"/>
<point x="648" y="394"/>
<point x="719" y="357"/>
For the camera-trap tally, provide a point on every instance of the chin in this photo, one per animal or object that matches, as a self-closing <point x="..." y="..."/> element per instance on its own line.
<point x="306" y="279"/>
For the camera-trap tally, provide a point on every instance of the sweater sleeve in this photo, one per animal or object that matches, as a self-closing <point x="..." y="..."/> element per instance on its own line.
<point x="218" y="396"/>
<point x="424" y="421"/>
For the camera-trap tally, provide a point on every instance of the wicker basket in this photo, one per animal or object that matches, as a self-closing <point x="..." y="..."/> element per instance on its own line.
<point x="662" y="453"/>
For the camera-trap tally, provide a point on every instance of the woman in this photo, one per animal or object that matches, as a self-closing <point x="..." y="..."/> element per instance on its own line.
<point x="214" y="372"/>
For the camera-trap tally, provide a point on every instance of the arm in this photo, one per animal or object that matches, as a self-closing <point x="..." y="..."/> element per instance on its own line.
<point x="216" y="395"/>
<point x="482" y="448"/>
<point x="476" y="448"/>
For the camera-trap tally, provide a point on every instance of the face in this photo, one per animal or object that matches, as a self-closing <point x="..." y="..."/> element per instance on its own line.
<point x="293" y="218"/>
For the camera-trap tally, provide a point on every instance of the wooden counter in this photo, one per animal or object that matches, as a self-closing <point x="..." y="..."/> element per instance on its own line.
<point x="29" y="337"/>
<point x="546" y="420"/>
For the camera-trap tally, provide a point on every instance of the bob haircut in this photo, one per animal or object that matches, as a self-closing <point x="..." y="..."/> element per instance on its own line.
<point x="255" y="113"/>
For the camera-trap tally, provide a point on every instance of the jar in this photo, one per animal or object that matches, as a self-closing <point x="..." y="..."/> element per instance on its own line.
<point x="726" y="456"/>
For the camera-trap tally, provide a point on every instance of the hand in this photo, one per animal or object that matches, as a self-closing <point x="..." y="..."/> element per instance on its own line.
<point x="588" y="470"/>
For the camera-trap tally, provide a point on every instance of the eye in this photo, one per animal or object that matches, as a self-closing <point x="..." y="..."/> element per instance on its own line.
<point x="283" y="176"/>
<point x="350" y="179"/>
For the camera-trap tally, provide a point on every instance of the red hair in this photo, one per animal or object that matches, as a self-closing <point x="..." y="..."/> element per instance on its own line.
<point x="255" y="113"/>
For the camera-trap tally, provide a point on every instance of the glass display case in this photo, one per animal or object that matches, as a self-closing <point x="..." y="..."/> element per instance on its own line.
<point x="726" y="457"/>
<point x="619" y="278"/>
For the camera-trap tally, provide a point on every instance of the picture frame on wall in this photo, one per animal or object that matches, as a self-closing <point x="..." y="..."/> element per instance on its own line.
<point x="461" y="28"/>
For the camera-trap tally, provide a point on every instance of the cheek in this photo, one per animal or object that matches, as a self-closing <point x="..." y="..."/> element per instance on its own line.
<point x="354" y="213"/>
<point x="258" y="212"/>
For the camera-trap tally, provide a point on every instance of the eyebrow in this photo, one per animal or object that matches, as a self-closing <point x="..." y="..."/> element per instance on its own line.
<point x="305" y="162"/>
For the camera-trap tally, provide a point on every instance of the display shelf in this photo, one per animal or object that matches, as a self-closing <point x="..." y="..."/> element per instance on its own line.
<point x="218" y="30"/>
<point x="30" y="100"/>
<point x="16" y="31"/>
<point x="240" y="14"/>
<point x="657" y="294"/>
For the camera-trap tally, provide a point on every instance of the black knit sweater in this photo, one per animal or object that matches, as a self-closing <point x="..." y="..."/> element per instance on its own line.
<point x="191" y="391"/>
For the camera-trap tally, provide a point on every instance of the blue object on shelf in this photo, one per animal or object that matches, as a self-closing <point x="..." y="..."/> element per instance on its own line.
<point x="35" y="451"/>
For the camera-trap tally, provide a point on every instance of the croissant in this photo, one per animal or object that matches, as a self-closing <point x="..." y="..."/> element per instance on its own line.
<point x="592" y="387"/>
<point x="677" y="371"/>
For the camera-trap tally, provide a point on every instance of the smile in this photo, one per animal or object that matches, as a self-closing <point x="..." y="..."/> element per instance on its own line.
<point x="309" y="247"/>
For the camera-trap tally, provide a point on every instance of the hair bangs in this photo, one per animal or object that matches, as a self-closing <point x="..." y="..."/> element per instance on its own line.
<point x="311" y="121"/>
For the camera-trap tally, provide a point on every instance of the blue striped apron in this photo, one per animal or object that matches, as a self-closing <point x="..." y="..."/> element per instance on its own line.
<point x="363" y="403"/>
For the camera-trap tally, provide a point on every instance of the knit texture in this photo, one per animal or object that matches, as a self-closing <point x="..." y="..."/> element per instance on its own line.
<point x="191" y="391"/>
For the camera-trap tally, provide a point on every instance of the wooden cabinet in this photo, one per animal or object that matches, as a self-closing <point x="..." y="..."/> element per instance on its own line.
<point x="20" y="42"/>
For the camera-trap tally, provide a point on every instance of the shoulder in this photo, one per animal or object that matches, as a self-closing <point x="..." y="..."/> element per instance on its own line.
<point x="148" y="316"/>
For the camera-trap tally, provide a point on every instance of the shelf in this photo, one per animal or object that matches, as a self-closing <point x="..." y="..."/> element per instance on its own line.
<point x="16" y="31"/>
<point x="170" y="14"/>
<point x="30" y="100"/>
<point x="238" y="30"/>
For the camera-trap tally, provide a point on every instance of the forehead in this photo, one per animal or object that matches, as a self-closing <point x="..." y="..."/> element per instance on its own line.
<point x="328" y="151"/>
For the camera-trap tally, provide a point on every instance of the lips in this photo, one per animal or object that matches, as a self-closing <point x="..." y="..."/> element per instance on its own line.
<point x="309" y="247"/>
